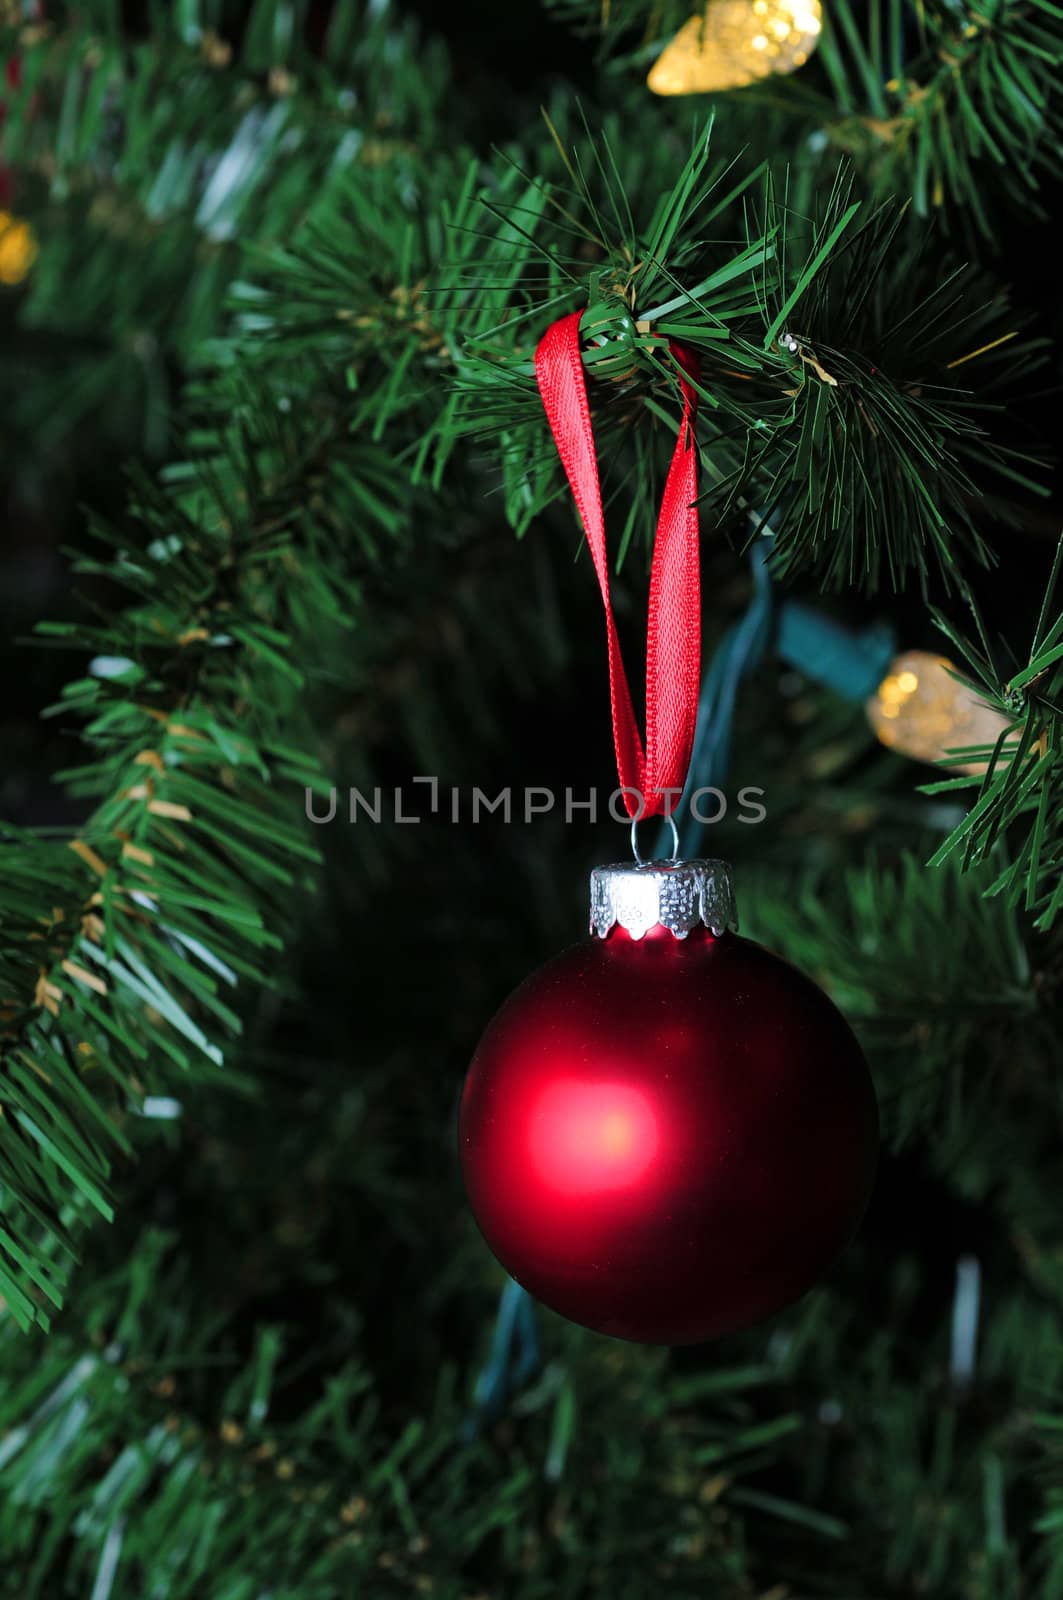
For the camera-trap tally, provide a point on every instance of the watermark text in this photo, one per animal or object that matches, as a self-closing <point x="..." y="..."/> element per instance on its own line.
<point x="404" y="804"/>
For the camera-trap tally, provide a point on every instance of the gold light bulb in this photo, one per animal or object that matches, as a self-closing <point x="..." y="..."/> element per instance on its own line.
<point x="735" y="42"/>
<point x="18" y="248"/>
<point x="922" y="711"/>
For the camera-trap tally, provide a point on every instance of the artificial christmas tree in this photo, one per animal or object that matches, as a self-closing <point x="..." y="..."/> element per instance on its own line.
<point x="286" y="517"/>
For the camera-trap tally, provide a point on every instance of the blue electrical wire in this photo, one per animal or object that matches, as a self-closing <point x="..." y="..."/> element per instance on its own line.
<point x="740" y="652"/>
<point x="515" y="1357"/>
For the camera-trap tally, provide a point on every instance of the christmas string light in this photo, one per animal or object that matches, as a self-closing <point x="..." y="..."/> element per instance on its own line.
<point x="735" y="43"/>
<point x="18" y="249"/>
<point x="916" y="702"/>
<point x="922" y="709"/>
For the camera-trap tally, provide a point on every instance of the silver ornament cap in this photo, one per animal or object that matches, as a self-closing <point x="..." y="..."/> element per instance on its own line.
<point x="680" y="895"/>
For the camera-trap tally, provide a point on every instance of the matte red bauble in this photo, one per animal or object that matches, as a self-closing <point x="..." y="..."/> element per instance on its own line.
<point x="667" y="1132"/>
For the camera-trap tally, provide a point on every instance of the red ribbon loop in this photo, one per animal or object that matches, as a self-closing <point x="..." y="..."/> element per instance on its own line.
<point x="673" y="642"/>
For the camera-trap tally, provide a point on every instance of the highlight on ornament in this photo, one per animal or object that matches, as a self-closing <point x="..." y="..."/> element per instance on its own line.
<point x="735" y="43"/>
<point x="589" y="1137"/>
<point x="18" y="248"/>
<point x="921" y="710"/>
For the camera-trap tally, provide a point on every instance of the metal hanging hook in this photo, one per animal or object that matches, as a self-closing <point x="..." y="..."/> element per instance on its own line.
<point x="641" y="860"/>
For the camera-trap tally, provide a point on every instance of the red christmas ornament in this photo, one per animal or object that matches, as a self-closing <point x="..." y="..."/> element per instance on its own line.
<point x="667" y="1132"/>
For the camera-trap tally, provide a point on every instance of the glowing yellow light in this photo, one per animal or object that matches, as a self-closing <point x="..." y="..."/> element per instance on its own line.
<point x="18" y="248"/>
<point x="735" y="42"/>
<point x="924" y="712"/>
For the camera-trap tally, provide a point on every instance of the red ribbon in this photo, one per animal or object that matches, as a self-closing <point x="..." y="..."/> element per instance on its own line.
<point x="673" y="644"/>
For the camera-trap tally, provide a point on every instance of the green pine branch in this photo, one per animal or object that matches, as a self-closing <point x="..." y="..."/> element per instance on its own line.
<point x="848" y="389"/>
<point x="149" y="1442"/>
<point x="955" y="107"/>
<point x="879" y="454"/>
<point x="152" y="1440"/>
<point x="929" y="969"/>
<point x="961" y="115"/>
<point x="374" y="370"/>
<point x="149" y="165"/>
<point x="242" y="574"/>
<point x="1016" y="817"/>
<point x="189" y="855"/>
